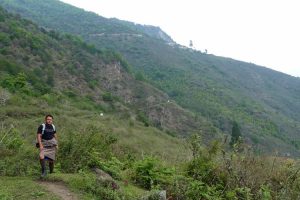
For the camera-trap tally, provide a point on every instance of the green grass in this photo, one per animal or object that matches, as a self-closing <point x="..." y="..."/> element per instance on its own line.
<point x="23" y="188"/>
<point x="80" y="181"/>
<point x="133" y="139"/>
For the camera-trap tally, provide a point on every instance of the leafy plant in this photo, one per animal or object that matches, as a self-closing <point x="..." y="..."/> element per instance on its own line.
<point x="149" y="173"/>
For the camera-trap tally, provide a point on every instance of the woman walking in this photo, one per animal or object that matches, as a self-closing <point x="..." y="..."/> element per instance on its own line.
<point x="47" y="143"/>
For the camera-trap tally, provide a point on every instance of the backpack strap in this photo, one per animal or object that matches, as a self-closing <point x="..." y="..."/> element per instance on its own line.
<point x="44" y="127"/>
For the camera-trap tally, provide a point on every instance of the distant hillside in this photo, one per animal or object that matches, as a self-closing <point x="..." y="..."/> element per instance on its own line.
<point x="264" y="102"/>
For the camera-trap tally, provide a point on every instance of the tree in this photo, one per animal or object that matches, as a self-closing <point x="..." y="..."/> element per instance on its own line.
<point x="15" y="83"/>
<point x="235" y="134"/>
<point x="191" y="44"/>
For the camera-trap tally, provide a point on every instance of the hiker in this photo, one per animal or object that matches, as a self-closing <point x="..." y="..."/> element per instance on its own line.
<point x="47" y="143"/>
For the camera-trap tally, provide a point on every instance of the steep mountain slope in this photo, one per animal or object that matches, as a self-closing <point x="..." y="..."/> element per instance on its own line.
<point x="50" y="62"/>
<point x="265" y="103"/>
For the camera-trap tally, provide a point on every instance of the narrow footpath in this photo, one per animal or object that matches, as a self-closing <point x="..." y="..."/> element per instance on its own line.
<point x="59" y="189"/>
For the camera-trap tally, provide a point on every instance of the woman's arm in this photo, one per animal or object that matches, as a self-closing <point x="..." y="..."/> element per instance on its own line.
<point x="56" y="138"/>
<point x="39" y="139"/>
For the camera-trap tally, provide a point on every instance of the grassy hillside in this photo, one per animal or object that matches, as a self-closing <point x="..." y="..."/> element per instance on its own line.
<point x="218" y="90"/>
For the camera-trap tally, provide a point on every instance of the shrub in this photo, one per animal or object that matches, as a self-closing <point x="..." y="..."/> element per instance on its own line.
<point x="16" y="158"/>
<point x="141" y="116"/>
<point x="81" y="150"/>
<point x="199" y="190"/>
<point x="16" y="83"/>
<point x="107" y="96"/>
<point x="4" y="39"/>
<point x="149" y="173"/>
<point x="111" y="166"/>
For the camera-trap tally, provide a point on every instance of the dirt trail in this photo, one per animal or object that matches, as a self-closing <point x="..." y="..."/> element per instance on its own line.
<point x="59" y="189"/>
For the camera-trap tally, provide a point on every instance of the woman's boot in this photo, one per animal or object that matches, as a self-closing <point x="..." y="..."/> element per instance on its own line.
<point x="43" y="165"/>
<point x="51" y="166"/>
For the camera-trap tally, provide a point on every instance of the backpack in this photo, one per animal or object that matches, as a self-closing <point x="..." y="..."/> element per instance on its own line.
<point x="44" y="127"/>
<point x="43" y="130"/>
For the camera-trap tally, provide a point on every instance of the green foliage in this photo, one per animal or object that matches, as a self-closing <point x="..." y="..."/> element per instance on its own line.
<point x="123" y="62"/>
<point x="4" y="39"/>
<point x="203" y="166"/>
<point x="265" y="193"/>
<point x="198" y="189"/>
<point x="15" y="155"/>
<point x="140" y="76"/>
<point x="107" y="96"/>
<point x="9" y="67"/>
<point x="143" y="118"/>
<point x="149" y="173"/>
<point x="11" y="140"/>
<point x="93" y="84"/>
<point x="16" y="83"/>
<point x="112" y="166"/>
<point x="80" y="151"/>
<point x="22" y="80"/>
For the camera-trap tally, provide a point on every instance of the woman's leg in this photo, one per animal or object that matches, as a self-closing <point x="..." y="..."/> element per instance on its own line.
<point x="43" y="163"/>
<point x="51" y="165"/>
<point x="43" y="166"/>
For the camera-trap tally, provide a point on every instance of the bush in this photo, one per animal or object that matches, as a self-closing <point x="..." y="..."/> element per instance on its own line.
<point x="199" y="190"/>
<point x="111" y="166"/>
<point x="16" y="158"/>
<point x="16" y="83"/>
<point x="81" y="150"/>
<point x="143" y="118"/>
<point x="107" y="96"/>
<point x="149" y="173"/>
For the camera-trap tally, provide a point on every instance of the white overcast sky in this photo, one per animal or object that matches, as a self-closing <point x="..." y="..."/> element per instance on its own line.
<point x="264" y="32"/>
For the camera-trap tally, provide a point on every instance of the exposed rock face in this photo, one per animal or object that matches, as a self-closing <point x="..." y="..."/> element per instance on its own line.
<point x="155" y="32"/>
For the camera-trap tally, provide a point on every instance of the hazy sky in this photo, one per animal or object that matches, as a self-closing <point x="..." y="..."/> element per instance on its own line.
<point x="264" y="32"/>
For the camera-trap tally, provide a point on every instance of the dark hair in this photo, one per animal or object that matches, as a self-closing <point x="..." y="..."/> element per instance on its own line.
<point x="48" y="116"/>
